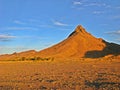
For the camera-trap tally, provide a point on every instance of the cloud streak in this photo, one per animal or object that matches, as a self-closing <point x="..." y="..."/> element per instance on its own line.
<point x="77" y="3"/>
<point x="10" y="50"/>
<point x="118" y="39"/>
<point x="98" y="12"/>
<point x="116" y="17"/>
<point x="59" y="23"/>
<point x="90" y="4"/>
<point x="95" y="4"/>
<point x="4" y="37"/>
<point x="114" y="32"/>
<point x="19" y="28"/>
<point x="18" y="22"/>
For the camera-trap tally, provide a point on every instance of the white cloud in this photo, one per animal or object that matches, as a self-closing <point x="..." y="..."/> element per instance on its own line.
<point x="108" y="6"/>
<point x="117" y="7"/>
<point x="19" y="28"/>
<point x="45" y="26"/>
<point x="118" y="39"/>
<point x="98" y="12"/>
<point x="114" y="32"/>
<point x="104" y="24"/>
<point x="59" y="23"/>
<point x="6" y="47"/>
<point x="116" y="17"/>
<point x="10" y="50"/>
<point x="33" y="20"/>
<point x="95" y="4"/>
<point x="82" y="4"/>
<point x="77" y="3"/>
<point x="115" y="35"/>
<point x="18" y="22"/>
<point x="4" y="37"/>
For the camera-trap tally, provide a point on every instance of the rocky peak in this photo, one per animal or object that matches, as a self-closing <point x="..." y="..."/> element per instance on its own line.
<point x="79" y="30"/>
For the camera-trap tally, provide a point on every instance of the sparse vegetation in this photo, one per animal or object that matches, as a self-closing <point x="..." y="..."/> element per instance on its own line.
<point x="39" y="58"/>
<point x="23" y="59"/>
<point x="31" y="59"/>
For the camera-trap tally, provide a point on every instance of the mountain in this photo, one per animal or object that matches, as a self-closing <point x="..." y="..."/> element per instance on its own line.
<point x="81" y="44"/>
<point x="78" y="44"/>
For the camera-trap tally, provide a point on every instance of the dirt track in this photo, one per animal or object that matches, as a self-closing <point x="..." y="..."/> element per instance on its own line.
<point x="62" y="75"/>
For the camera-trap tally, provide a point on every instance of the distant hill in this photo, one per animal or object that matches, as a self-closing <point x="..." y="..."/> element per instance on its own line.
<point x="79" y="44"/>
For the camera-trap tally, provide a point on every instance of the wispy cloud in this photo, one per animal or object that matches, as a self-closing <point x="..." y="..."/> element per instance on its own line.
<point x="33" y="20"/>
<point x="95" y="4"/>
<point x="98" y="12"/>
<point x="58" y="23"/>
<point x="104" y="24"/>
<point x="118" y="39"/>
<point x="18" y="22"/>
<point x="4" y="37"/>
<point x="77" y="3"/>
<point x="115" y="35"/>
<point x="90" y="4"/>
<point x="114" y="32"/>
<point x="117" y="7"/>
<point x="6" y="47"/>
<point x="32" y="37"/>
<point x="19" y="28"/>
<point x="116" y="17"/>
<point x="45" y="26"/>
<point x="10" y="50"/>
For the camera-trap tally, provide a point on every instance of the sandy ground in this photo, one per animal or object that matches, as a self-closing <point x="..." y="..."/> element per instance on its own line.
<point x="60" y="75"/>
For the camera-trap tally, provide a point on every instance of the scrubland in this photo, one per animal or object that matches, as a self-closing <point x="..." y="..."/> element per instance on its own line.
<point x="74" y="74"/>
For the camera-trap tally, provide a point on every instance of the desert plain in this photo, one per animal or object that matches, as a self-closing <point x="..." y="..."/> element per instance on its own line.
<point x="71" y="74"/>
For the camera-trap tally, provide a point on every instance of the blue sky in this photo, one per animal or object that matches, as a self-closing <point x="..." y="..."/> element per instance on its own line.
<point x="37" y="24"/>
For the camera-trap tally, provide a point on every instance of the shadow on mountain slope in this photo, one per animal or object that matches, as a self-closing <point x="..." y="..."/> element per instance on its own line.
<point x="110" y="49"/>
